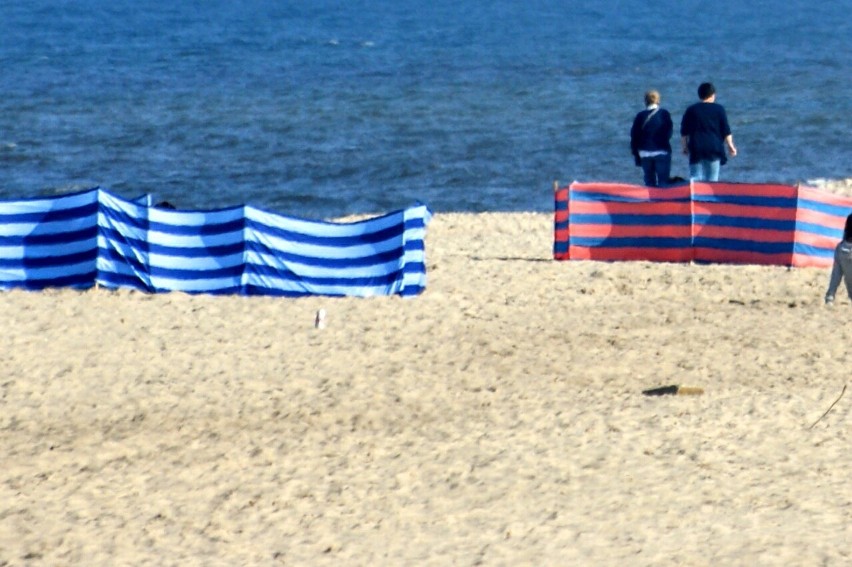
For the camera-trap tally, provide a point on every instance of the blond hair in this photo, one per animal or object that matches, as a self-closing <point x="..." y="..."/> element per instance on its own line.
<point x="652" y="97"/>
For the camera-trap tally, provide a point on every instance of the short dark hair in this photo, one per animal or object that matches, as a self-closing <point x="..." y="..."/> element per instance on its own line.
<point x="847" y="232"/>
<point x="706" y="90"/>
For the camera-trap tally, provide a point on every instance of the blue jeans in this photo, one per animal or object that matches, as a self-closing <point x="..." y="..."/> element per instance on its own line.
<point x="705" y="170"/>
<point x="656" y="170"/>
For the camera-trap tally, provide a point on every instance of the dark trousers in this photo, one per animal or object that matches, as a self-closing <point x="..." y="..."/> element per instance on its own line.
<point x="657" y="170"/>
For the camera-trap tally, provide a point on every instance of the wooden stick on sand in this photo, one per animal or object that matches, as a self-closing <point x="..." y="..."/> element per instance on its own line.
<point x="674" y="390"/>
<point x="829" y="408"/>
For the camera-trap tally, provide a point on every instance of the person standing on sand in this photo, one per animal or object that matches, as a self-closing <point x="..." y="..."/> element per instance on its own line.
<point x="704" y="132"/>
<point x="650" y="141"/>
<point x="842" y="268"/>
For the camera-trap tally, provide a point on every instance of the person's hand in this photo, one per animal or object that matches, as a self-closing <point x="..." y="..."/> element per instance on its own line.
<point x="732" y="150"/>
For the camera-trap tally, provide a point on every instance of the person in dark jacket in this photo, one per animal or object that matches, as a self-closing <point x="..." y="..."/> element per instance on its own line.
<point x="650" y="141"/>
<point x="842" y="269"/>
<point x="705" y="132"/>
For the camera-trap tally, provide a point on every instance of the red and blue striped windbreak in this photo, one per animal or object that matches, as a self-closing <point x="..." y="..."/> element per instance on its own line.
<point x="736" y="223"/>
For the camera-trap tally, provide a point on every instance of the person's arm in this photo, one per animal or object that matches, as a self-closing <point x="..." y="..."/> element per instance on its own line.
<point x="725" y="129"/>
<point x="685" y="129"/>
<point x="635" y="138"/>
<point x="729" y="141"/>
<point x="634" y="135"/>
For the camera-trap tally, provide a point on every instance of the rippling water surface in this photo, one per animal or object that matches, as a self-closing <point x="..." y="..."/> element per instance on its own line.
<point x="326" y="108"/>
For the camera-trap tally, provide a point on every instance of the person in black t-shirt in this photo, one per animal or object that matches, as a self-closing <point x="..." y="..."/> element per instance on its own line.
<point x="705" y="133"/>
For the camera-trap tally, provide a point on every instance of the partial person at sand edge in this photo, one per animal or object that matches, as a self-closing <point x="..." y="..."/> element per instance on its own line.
<point x="842" y="268"/>
<point x="650" y="141"/>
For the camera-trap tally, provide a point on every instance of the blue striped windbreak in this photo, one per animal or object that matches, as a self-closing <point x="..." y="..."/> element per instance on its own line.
<point x="94" y="237"/>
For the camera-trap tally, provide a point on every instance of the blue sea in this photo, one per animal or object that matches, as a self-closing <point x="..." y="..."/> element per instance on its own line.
<point x="326" y="108"/>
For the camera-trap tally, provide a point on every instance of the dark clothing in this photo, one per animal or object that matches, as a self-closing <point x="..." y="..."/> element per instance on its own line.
<point x="706" y="125"/>
<point x="656" y="170"/>
<point x="650" y="145"/>
<point x="651" y="136"/>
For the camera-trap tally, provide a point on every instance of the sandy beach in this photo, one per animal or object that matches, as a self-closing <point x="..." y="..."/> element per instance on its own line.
<point x="497" y="419"/>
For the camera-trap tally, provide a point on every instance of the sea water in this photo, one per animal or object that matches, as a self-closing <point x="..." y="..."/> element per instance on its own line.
<point x="325" y="108"/>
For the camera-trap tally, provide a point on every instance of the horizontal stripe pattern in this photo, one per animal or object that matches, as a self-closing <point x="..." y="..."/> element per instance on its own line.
<point x="561" y="239"/>
<point x="701" y="222"/>
<point x="95" y="237"/>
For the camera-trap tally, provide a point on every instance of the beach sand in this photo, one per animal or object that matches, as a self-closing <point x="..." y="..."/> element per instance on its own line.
<point x="497" y="419"/>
